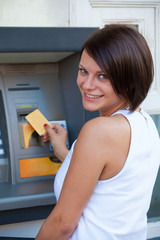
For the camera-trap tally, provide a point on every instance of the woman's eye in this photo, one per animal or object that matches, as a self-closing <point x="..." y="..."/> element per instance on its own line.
<point x="83" y="71"/>
<point x="102" y="76"/>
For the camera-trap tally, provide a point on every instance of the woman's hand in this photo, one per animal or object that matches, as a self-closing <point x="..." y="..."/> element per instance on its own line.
<point x="58" y="137"/>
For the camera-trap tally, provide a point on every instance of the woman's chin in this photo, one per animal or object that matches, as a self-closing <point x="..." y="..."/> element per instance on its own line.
<point x="90" y="109"/>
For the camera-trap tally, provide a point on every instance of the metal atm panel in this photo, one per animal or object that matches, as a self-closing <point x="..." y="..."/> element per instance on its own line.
<point x="26" y="92"/>
<point x="22" y="92"/>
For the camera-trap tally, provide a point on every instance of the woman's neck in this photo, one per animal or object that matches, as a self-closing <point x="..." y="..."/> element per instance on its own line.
<point x="121" y="105"/>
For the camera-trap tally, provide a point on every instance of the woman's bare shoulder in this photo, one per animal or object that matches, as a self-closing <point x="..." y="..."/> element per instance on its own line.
<point x="106" y="127"/>
<point x="108" y="142"/>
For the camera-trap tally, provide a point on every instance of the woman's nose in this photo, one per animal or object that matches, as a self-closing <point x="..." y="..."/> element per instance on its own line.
<point x="89" y="83"/>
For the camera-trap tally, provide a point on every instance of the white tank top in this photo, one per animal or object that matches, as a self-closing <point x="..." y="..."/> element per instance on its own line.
<point x="118" y="206"/>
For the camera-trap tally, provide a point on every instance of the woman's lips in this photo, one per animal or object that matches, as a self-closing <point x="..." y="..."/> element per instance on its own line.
<point x="91" y="96"/>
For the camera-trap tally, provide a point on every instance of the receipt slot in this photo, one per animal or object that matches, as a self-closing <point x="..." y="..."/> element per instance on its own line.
<point x="38" y="70"/>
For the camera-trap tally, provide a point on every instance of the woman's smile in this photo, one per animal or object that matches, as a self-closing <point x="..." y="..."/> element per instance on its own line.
<point x="91" y="97"/>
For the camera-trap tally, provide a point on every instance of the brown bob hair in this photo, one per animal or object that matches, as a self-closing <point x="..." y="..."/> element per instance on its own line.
<point x="124" y="56"/>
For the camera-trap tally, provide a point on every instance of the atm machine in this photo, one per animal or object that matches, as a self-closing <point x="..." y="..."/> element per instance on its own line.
<point x="38" y="69"/>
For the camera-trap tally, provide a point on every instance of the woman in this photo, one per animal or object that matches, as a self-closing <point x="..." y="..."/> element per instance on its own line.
<point x="104" y="186"/>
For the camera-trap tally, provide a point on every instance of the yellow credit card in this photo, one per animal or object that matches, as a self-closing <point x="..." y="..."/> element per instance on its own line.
<point x="37" y="121"/>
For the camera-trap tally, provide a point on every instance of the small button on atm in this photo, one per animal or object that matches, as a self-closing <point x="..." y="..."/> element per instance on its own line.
<point x="38" y="70"/>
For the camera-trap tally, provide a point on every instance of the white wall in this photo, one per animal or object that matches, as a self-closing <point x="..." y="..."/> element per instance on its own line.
<point x="44" y="13"/>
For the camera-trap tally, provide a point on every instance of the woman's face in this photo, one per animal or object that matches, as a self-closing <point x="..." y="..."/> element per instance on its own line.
<point x="97" y="91"/>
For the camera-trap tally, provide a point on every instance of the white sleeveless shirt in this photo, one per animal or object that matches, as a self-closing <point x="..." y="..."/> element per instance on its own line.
<point x="118" y="206"/>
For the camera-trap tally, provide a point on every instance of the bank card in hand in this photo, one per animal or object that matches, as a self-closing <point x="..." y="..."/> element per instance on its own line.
<point x="37" y="121"/>
<point x="63" y="123"/>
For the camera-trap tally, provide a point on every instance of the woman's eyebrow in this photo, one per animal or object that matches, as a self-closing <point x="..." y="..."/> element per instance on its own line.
<point x="81" y="65"/>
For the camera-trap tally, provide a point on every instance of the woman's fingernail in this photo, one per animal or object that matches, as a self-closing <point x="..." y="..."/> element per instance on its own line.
<point x="45" y="125"/>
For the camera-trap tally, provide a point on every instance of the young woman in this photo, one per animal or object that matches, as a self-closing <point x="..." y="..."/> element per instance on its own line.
<point x="105" y="183"/>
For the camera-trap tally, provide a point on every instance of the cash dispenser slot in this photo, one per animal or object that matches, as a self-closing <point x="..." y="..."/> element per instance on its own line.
<point x="28" y="136"/>
<point x="38" y="69"/>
